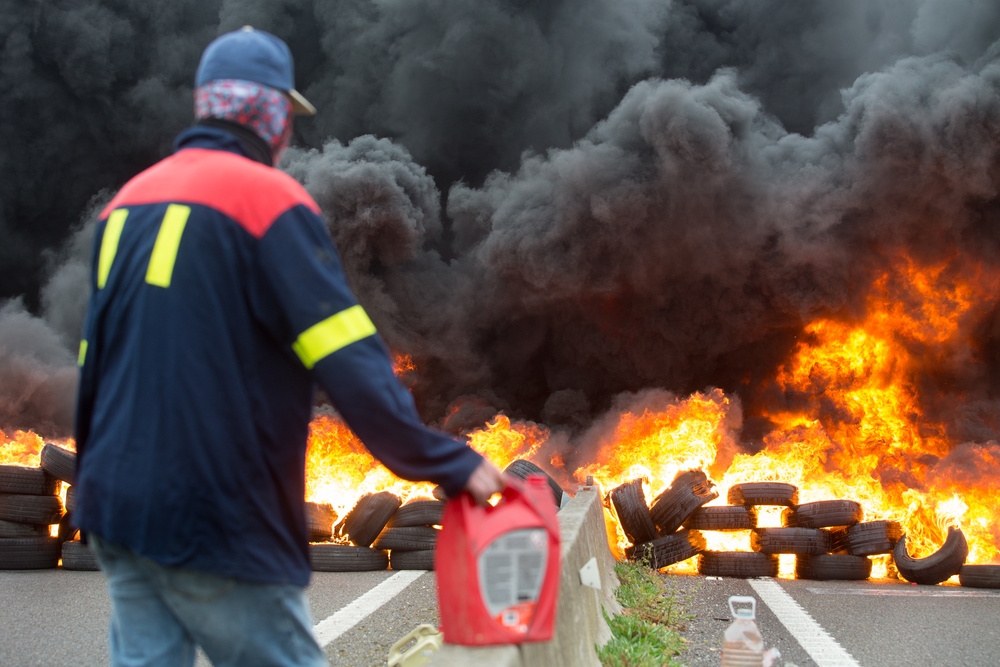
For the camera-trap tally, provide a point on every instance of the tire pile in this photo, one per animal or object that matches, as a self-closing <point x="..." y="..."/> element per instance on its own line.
<point x="382" y="533"/>
<point x="30" y="505"/>
<point x="829" y="538"/>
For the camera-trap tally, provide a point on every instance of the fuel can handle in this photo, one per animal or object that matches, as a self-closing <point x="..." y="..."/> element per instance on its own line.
<point x="743" y="612"/>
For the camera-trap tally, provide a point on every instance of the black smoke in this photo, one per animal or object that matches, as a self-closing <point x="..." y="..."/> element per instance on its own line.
<point x="548" y="203"/>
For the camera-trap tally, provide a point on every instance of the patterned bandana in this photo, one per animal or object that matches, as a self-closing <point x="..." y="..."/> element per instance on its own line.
<point x="264" y="110"/>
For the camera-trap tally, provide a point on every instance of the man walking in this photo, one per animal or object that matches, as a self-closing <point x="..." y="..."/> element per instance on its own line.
<point x="218" y="300"/>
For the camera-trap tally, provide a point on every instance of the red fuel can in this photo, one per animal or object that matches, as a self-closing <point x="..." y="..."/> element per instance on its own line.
<point x="498" y="567"/>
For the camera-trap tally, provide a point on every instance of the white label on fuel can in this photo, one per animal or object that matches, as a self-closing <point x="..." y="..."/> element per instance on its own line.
<point x="511" y="569"/>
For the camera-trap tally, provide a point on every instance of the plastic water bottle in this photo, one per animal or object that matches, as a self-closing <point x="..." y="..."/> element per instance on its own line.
<point x="743" y="645"/>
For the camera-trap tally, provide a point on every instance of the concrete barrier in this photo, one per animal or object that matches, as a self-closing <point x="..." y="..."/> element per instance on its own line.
<point x="580" y="625"/>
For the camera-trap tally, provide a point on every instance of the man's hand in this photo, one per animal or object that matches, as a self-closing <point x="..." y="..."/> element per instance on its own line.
<point x="484" y="481"/>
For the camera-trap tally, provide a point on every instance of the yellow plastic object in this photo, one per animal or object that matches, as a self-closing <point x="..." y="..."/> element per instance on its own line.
<point x="426" y="642"/>
<point x="109" y="245"/>
<point x="337" y="331"/>
<point x="168" y="240"/>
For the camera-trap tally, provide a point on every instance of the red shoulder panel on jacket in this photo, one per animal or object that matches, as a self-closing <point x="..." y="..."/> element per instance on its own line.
<point x="250" y="193"/>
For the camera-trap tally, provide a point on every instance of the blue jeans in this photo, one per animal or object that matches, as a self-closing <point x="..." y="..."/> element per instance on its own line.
<point x="160" y="614"/>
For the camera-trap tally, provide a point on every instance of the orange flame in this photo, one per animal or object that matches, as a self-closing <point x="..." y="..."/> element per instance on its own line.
<point x="402" y="363"/>
<point x="852" y="428"/>
<point x="339" y="470"/>
<point x="857" y="431"/>
<point x="25" y="448"/>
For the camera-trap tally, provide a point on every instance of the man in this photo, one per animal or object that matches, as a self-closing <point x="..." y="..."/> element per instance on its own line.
<point x="218" y="300"/>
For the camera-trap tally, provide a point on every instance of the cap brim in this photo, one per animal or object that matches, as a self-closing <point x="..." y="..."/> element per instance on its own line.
<point x="301" y="105"/>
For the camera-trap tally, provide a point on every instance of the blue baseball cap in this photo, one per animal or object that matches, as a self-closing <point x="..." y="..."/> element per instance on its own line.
<point x="253" y="55"/>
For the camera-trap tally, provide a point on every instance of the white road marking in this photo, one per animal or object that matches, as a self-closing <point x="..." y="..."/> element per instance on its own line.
<point x="343" y="620"/>
<point x="923" y="592"/>
<point x="817" y="642"/>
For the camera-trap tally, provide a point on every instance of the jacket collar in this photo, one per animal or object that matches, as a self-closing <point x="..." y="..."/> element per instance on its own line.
<point x="225" y="136"/>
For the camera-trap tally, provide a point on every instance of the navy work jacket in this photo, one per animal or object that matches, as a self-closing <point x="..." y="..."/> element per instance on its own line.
<point x="218" y="300"/>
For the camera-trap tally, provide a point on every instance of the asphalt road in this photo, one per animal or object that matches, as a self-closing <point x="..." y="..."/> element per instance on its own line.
<point x="880" y="623"/>
<point x="58" y="617"/>
<point x="55" y="617"/>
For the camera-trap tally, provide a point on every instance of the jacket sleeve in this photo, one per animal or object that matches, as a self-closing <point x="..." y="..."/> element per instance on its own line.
<point x="87" y="354"/>
<point x="307" y="304"/>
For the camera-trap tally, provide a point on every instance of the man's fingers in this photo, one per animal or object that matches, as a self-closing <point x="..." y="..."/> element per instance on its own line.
<point x="484" y="481"/>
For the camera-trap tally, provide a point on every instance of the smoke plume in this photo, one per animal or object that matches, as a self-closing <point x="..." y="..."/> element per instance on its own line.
<point x="547" y="204"/>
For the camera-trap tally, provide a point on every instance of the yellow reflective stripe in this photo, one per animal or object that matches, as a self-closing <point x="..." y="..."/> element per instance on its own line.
<point x="83" y="353"/>
<point x="161" y="263"/>
<point x="337" y="331"/>
<point x="109" y="245"/>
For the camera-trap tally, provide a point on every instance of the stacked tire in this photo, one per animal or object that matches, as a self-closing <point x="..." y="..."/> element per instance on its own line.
<point x="61" y="464"/>
<point x="29" y="505"/>
<point x="320" y="518"/>
<point x="841" y="557"/>
<point x="381" y="534"/>
<point x="411" y="535"/>
<point x="359" y="527"/>
<point x="658" y="534"/>
<point x="741" y="514"/>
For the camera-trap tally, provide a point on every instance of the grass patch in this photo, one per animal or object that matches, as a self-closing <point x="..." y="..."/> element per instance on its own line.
<point x="646" y="633"/>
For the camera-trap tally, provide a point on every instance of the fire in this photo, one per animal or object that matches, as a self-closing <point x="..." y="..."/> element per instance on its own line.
<point x="25" y="448"/>
<point x="403" y="363"/>
<point x="850" y="424"/>
<point x="339" y="470"/>
<point x="853" y="427"/>
<point x="861" y="433"/>
<point x="502" y="442"/>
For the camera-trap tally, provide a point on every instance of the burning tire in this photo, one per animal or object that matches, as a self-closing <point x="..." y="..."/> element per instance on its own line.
<point x="742" y="564"/>
<point x="26" y="481"/>
<point x="521" y="468"/>
<point x="873" y="537"/>
<point x="725" y="517"/>
<point x="77" y="556"/>
<point x="980" y="576"/>
<point x="11" y="529"/>
<point x="319" y="520"/>
<point x="37" y="510"/>
<point x="803" y="541"/>
<point x="369" y="516"/>
<point x="67" y="530"/>
<point x="410" y="538"/>
<point x="823" y="514"/>
<point x="943" y="563"/>
<point x="669" y="549"/>
<point x="833" y="567"/>
<point x="690" y="490"/>
<point x="763" y="493"/>
<point x="344" y="558"/>
<point x="412" y="560"/>
<point x="29" y="553"/>
<point x="633" y="514"/>
<point x="59" y="462"/>
<point x="417" y="513"/>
